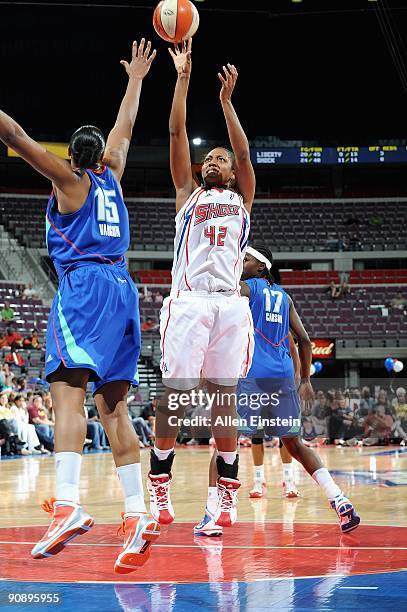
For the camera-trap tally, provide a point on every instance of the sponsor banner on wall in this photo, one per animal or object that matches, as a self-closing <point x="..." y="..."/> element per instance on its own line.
<point x="322" y="348"/>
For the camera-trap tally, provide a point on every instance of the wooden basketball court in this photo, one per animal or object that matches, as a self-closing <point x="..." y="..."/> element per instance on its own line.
<point x="282" y="554"/>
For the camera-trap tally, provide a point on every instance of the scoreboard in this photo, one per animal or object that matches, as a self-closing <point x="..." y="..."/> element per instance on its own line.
<point x="396" y="154"/>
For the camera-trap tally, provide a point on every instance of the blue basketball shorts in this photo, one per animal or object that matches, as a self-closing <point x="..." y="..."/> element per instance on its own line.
<point x="268" y="406"/>
<point x="94" y="323"/>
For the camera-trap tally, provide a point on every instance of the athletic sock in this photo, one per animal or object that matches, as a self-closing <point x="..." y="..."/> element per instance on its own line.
<point x="288" y="475"/>
<point x="259" y="473"/>
<point x="212" y="501"/>
<point x="161" y="461"/>
<point x="132" y="485"/>
<point x="68" y="472"/>
<point x="325" y="480"/>
<point x="225" y="469"/>
<point x="162" y="455"/>
<point x="228" y="457"/>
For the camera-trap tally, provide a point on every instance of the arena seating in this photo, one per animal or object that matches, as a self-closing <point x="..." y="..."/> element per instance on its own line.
<point x="286" y="225"/>
<point x="28" y="312"/>
<point x="363" y="313"/>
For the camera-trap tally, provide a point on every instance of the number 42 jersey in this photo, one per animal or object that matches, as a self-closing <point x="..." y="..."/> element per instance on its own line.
<point x="270" y="307"/>
<point x="98" y="232"/>
<point x="211" y="235"/>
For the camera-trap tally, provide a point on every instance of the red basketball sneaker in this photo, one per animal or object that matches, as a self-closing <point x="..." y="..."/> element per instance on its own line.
<point x="259" y="489"/>
<point x="290" y="491"/>
<point x="69" y="520"/>
<point x="226" y="513"/>
<point x="160" y="501"/>
<point x="139" y="531"/>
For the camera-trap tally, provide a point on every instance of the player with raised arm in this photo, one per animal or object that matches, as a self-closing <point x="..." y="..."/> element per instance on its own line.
<point x="206" y="326"/>
<point x="272" y="372"/>
<point x="94" y="325"/>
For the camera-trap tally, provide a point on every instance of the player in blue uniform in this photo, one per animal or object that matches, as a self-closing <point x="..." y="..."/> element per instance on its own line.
<point x="272" y="374"/>
<point x="94" y="326"/>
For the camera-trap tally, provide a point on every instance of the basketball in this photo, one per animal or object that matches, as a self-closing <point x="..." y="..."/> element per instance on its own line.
<point x="175" y="20"/>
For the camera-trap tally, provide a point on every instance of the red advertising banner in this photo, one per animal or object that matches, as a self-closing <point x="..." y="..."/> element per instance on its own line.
<point x="323" y="348"/>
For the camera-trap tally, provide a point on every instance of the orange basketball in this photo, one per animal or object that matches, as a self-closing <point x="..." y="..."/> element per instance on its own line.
<point x="175" y="20"/>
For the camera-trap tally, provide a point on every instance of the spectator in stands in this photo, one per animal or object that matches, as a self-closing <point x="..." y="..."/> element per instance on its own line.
<point x="399" y="413"/>
<point x="136" y="278"/>
<point x="149" y="325"/>
<point x="143" y="430"/>
<point x="158" y="298"/>
<point x="94" y="430"/>
<point x="15" y="358"/>
<point x="334" y="290"/>
<point x="13" y="339"/>
<point x="7" y="313"/>
<point x="43" y="425"/>
<point x="148" y="413"/>
<point x="21" y="385"/>
<point x="26" y="431"/>
<point x="6" y="377"/>
<point x="3" y="340"/>
<point x="382" y="401"/>
<point x="354" y="242"/>
<point x="366" y="402"/>
<point x="319" y="415"/>
<point x="344" y="289"/>
<point x="6" y="413"/>
<point x="378" y="426"/>
<point x="30" y="292"/>
<point x="341" y="419"/>
<point x="399" y="302"/>
<point x="47" y="400"/>
<point x="32" y="341"/>
<point x="343" y="244"/>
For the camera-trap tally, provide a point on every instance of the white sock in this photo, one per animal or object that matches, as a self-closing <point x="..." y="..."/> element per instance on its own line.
<point x="288" y="475"/>
<point x="212" y="501"/>
<point x="162" y="454"/>
<point x="132" y="485"/>
<point x="325" y="480"/>
<point x="259" y="472"/>
<point x="68" y="467"/>
<point x="228" y="458"/>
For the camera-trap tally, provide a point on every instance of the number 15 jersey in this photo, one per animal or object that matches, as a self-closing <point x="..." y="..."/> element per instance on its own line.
<point x="211" y="234"/>
<point x="97" y="232"/>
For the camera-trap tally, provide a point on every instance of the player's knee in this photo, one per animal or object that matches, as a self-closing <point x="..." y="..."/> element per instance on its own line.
<point x="293" y="445"/>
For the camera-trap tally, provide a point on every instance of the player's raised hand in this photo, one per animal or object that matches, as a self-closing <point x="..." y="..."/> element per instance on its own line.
<point x="228" y="80"/>
<point x="182" y="57"/>
<point x="141" y="60"/>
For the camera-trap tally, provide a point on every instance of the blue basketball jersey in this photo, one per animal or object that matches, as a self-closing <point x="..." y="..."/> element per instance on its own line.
<point x="270" y="308"/>
<point x="97" y="232"/>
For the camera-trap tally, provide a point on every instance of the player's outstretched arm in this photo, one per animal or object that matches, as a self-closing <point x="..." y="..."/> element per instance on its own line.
<point x="243" y="166"/>
<point x="306" y="391"/>
<point x="118" y="142"/>
<point x="180" y="157"/>
<point x="49" y="165"/>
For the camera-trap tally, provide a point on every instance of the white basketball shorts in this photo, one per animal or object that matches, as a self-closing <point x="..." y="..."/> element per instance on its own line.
<point x="205" y="335"/>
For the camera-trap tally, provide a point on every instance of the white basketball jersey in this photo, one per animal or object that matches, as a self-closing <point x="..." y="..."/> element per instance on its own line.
<point x="211" y="234"/>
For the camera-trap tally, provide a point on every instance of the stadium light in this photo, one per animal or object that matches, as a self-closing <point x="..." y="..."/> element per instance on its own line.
<point x="197" y="141"/>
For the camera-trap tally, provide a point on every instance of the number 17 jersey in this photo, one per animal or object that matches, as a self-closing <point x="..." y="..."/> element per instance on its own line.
<point x="98" y="232"/>
<point x="211" y="234"/>
<point x="270" y="307"/>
